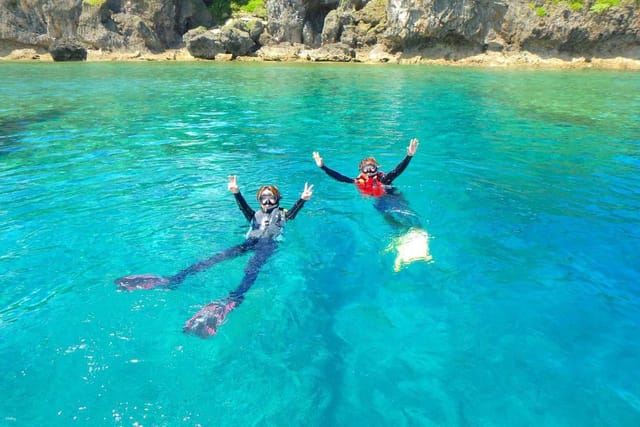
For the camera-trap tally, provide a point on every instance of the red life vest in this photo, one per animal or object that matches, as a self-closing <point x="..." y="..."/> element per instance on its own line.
<point x="370" y="185"/>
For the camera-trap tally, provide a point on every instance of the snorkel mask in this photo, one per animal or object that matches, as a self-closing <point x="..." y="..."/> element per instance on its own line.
<point x="269" y="197"/>
<point x="369" y="166"/>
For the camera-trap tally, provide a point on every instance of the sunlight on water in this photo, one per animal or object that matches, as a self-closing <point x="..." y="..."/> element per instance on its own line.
<point x="527" y="183"/>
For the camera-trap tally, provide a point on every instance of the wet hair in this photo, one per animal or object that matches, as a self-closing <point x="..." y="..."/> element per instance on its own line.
<point x="271" y="188"/>
<point x="367" y="160"/>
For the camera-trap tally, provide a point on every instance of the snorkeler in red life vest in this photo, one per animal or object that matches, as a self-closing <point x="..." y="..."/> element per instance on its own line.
<point x="371" y="181"/>
<point x="412" y="244"/>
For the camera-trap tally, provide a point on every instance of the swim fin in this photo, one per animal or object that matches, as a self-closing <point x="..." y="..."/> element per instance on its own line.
<point x="142" y="281"/>
<point x="411" y="246"/>
<point x="207" y="321"/>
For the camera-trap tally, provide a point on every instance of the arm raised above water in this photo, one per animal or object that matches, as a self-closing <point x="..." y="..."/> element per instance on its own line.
<point x="242" y="203"/>
<point x="333" y="174"/>
<point x="306" y="195"/>
<point x="411" y="151"/>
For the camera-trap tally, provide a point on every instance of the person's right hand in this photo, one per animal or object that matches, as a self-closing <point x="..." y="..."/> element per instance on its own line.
<point x="318" y="159"/>
<point x="233" y="184"/>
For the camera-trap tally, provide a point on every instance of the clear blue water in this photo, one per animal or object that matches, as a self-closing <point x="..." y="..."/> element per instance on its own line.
<point x="527" y="181"/>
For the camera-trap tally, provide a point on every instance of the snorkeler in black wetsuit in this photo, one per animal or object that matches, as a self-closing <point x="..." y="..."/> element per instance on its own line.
<point x="267" y="224"/>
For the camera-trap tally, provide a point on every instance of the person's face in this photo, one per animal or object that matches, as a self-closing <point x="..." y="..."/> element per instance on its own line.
<point x="369" y="169"/>
<point x="268" y="200"/>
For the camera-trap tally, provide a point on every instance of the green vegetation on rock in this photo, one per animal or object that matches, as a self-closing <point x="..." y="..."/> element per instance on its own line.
<point x="598" y="6"/>
<point x="602" y="5"/>
<point x="255" y="7"/>
<point x="223" y="9"/>
<point x="576" y="6"/>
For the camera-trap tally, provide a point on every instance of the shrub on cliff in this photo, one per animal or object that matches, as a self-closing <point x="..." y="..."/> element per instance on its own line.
<point x="223" y="9"/>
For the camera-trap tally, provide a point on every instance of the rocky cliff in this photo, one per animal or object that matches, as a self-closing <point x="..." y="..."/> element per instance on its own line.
<point x="331" y="30"/>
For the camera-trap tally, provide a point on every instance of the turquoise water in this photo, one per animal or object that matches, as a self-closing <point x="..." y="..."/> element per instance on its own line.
<point x="527" y="181"/>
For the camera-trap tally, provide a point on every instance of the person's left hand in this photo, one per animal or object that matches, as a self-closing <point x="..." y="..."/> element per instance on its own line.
<point x="318" y="159"/>
<point x="413" y="147"/>
<point x="308" y="191"/>
<point x="233" y="184"/>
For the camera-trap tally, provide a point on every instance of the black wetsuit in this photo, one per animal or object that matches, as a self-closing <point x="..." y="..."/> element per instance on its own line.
<point x="262" y="238"/>
<point x="385" y="178"/>
<point x="390" y="202"/>
<point x="266" y="227"/>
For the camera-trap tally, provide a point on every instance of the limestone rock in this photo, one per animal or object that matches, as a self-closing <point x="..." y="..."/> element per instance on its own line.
<point x="68" y="50"/>
<point x="412" y="28"/>
<point x="379" y="54"/>
<point x="281" y="52"/>
<point x="285" y="20"/>
<point x="228" y="40"/>
<point x="108" y="24"/>
<point x="255" y="27"/>
<point x="336" y="52"/>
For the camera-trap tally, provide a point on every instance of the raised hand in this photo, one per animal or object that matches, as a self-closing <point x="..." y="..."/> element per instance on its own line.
<point x="413" y="147"/>
<point x="233" y="184"/>
<point x="307" y="192"/>
<point x="318" y="159"/>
